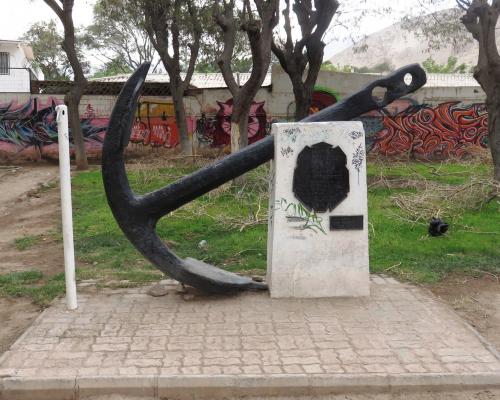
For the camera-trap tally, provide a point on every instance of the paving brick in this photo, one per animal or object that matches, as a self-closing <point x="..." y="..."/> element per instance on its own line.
<point x="293" y="369"/>
<point x="398" y="332"/>
<point x="312" y="369"/>
<point x="110" y="347"/>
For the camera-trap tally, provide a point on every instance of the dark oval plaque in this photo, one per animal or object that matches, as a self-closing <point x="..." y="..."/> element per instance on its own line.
<point x="321" y="178"/>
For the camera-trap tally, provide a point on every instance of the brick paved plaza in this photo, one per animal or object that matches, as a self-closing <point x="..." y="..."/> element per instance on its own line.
<point x="401" y="336"/>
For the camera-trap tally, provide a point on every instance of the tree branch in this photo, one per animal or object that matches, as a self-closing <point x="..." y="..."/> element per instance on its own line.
<point x="227" y="23"/>
<point x="55" y="7"/>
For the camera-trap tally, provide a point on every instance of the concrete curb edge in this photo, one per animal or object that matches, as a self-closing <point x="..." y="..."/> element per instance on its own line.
<point x="220" y="386"/>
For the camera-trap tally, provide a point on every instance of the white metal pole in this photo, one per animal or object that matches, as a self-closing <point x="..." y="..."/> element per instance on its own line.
<point x="67" y="216"/>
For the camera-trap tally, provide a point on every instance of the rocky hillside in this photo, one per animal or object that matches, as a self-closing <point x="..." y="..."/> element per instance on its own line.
<point x="397" y="47"/>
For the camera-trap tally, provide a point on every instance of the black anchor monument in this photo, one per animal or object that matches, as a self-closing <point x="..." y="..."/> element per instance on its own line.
<point x="137" y="215"/>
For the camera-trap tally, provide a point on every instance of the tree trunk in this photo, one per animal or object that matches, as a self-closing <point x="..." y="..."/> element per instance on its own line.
<point x="494" y="136"/>
<point x="303" y="100"/>
<point x="72" y="100"/>
<point x="235" y="136"/>
<point x="239" y="125"/>
<point x="239" y="133"/>
<point x="180" y="119"/>
<point x="243" y="126"/>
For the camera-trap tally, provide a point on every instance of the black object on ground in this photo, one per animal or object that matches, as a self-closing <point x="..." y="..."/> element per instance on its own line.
<point x="437" y="227"/>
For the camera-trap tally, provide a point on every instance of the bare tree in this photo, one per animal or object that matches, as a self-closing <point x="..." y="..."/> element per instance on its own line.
<point x="258" y="25"/>
<point x="306" y="52"/>
<point x="64" y="11"/>
<point x="175" y="30"/>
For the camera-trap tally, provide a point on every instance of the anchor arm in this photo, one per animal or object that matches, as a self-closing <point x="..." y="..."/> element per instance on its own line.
<point x="186" y="189"/>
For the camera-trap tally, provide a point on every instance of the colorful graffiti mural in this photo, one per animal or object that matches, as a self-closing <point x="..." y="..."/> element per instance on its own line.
<point x="155" y="125"/>
<point x="404" y="128"/>
<point x="30" y="130"/>
<point x="426" y="132"/>
<point x="216" y="130"/>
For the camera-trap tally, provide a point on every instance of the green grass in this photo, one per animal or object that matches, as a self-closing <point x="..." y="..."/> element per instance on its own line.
<point x="397" y="247"/>
<point x="26" y="242"/>
<point x="404" y="248"/>
<point x="42" y="290"/>
<point x="109" y="255"/>
<point x="451" y="173"/>
<point x="232" y="221"/>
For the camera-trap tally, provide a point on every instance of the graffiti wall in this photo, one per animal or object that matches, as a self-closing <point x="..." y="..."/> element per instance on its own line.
<point x="404" y="128"/>
<point x="155" y="125"/>
<point x="29" y="130"/>
<point x="216" y="130"/>
<point x="426" y="132"/>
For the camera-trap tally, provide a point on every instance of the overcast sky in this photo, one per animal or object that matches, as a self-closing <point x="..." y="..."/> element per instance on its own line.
<point x="19" y="15"/>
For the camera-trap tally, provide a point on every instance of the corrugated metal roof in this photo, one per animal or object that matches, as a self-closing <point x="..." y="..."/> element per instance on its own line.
<point x="199" y="80"/>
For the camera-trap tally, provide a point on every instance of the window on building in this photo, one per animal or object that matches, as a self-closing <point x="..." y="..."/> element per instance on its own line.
<point x="4" y="63"/>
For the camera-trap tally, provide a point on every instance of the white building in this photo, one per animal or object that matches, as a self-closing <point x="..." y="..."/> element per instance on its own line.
<point x="15" y="71"/>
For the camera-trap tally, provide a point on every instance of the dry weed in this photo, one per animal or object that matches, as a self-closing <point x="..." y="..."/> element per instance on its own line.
<point x="445" y="201"/>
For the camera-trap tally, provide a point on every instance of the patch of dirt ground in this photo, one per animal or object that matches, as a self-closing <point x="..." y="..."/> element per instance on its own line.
<point x="476" y="299"/>
<point x="29" y="206"/>
<point x="16" y="316"/>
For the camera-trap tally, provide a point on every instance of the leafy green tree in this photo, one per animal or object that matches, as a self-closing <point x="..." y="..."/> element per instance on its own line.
<point x="114" y="67"/>
<point x="451" y="66"/>
<point x="328" y="66"/>
<point x="380" y="68"/>
<point x="257" y="20"/>
<point x="49" y="57"/>
<point x="212" y="46"/>
<point x="118" y="35"/>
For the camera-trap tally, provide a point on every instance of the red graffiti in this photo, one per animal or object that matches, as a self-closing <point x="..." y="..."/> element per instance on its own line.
<point x="154" y="126"/>
<point x="433" y="132"/>
<point x="220" y="134"/>
<point x="155" y="133"/>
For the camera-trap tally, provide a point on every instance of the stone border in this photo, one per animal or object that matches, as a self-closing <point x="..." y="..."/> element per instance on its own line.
<point x="223" y="386"/>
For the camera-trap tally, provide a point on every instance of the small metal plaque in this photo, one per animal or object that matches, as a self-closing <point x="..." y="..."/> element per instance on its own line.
<point x="346" y="223"/>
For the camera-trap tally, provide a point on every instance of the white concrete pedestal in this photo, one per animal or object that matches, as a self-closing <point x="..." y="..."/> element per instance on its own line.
<point x="318" y="254"/>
